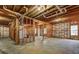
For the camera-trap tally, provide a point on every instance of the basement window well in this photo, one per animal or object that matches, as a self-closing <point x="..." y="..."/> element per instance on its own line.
<point x="74" y="29"/>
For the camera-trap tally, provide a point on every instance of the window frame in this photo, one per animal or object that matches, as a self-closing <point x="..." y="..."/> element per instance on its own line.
<point x="74" y="30"/>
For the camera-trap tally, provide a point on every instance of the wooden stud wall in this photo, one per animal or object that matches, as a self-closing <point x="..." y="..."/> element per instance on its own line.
<point x="62" y="29"/>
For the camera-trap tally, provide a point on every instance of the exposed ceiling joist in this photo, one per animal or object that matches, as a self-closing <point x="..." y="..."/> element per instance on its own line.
<point x="49" y="11"/>
<point x="14" y="7"/>
<point x="5" y="14"/>
<point x="37" y="12"/>
<point x="31" y="9"/>
<point x="4" y="18"/>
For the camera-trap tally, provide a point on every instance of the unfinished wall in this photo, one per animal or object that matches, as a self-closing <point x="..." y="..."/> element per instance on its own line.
<point x="43" y="29"/>
<point x="63" y="29"/>
<point x="49" y="30"/>
<point x="12" y="30"/>
<point x="4" y="31"/>
<point x="26" y="31"/>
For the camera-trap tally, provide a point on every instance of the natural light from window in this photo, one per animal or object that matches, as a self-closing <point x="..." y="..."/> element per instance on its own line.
<point x="74" y="29"/>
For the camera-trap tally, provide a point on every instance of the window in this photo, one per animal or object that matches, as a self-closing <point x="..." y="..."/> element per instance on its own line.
<point x="74" y="29"/>
<point x="4" y="31"/>
<point x="35" y="30"/>
<point x="45" y="30"/>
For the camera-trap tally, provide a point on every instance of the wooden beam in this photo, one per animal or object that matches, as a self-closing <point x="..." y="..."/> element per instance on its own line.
<point x="49" y="11"/>
<point x="14" y="7"/>
<point x="41" y="11"/>
<point x="6" y="14"/>
<point x="12" y="30"/>
<point x="31" y="9"/>
<point x="21" y="8"/>
<point x="73" y="12"/>
<point x="17" y="31"/>
<point x="4" y="18"/>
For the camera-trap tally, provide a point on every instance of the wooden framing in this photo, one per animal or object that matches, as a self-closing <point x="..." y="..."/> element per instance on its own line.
<point x="17" y="31"/>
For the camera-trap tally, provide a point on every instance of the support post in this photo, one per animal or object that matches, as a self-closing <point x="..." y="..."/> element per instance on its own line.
<point x="17" y="31"/>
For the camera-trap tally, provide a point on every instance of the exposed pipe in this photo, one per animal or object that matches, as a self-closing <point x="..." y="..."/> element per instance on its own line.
<point x="51" y="11"/>
<point x="26" y="11"/>
<point x="59" y="9"/>
<point x="46" y="12"/>
<point x="63" y="10"/>
<point x="15" y="13"/>
<point x="52" y="15"/>
<point x="11" y="12"/>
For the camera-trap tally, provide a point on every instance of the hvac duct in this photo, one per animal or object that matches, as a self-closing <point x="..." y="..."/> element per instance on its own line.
<point x="61" y="11"/>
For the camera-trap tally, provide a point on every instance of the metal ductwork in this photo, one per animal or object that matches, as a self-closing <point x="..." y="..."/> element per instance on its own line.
<point x="21" y="16"/>
<point x="26" y="10"/>
<point x="61" y="11"/>
<point x="11" y="12"/>
<point x="15" y="13"/>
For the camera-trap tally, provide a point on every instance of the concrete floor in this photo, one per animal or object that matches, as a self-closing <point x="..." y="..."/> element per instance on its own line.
<point x="47" y="46"/>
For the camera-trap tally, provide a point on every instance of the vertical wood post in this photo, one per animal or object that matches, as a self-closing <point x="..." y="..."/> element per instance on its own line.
<point x="33" y="31"/>
<point x="17" y="31"/>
